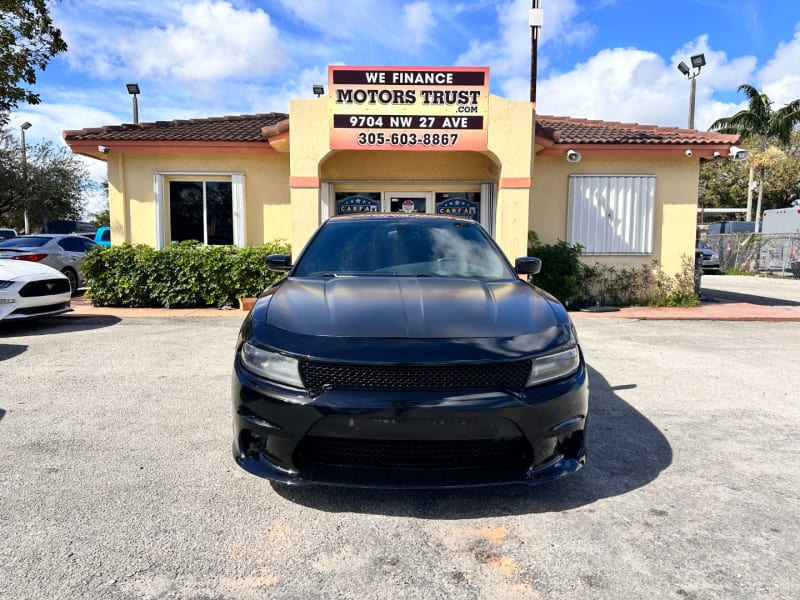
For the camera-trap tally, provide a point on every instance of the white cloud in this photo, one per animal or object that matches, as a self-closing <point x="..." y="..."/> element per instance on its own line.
<point x="419" y="21"/>
<point x="623" y="84"/>
<point x="780" y="78"/>
<point x="632" y="85"/>
<point x="719" y="72"/>
<point x="211" y="40"/>
<point x="359" y="22"/>
<point x="509" y="54"/>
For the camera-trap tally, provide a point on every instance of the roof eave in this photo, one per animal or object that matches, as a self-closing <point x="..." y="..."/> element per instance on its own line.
<point x="659" y="150"/>
<point x="90" y="147"/>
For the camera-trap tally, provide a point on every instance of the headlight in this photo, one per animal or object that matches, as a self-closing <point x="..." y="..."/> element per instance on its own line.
<point x="554" y="366"/>
<point x="271" y="365"/>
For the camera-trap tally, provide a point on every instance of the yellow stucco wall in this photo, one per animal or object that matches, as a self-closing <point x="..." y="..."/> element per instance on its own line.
<point x="132" y="195"/>
<point x="675" y="204"/>
<point x="508" y="157"/>
<point x="511" y="135"/>
<point x="283" y="194"/>
<point x="348" y="165"/>
<point x="309" y="143"/>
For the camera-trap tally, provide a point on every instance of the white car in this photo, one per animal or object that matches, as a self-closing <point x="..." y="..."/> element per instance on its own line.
<point x="29" y="290"/>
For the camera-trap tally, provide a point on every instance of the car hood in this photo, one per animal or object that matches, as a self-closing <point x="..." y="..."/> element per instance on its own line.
<point x="20" y="269"/>
<point x="472" y="319"/>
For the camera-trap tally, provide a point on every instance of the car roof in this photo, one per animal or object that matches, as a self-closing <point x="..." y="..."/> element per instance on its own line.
<point x="54" y="236"/>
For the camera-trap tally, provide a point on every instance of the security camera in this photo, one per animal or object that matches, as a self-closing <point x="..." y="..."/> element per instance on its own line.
<point x="573" y="156"/>
<point x="717" y="155"/>
<point x="103" y="149"/>
<point x="737" y="153"/>
<point x="688" y="152"/>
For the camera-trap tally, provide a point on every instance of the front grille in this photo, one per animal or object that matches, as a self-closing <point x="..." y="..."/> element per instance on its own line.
<point x="46" y="287"/>
<point x="40" y="310"/>
<point x="413" y="454"/>
<point x="319" y="376"/>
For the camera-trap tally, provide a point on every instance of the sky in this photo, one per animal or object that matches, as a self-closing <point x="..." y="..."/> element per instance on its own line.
<point x="613" y="60"/>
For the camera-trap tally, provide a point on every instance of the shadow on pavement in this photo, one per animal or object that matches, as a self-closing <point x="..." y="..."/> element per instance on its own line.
<point x="8" y="351"/>
<point x="625" y="452"/>
<point x="51" y="325"/>
<point x="724" y="296"/>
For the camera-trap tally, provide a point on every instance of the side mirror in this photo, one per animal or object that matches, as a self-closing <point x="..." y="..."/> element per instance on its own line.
<point x="528" y="265"/>
<point x="279" y="262"/>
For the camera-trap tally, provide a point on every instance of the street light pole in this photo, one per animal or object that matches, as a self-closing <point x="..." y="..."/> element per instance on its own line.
<point x="22" y="129"/>
<point x="133" y="90"/>
<point x="698" y="61"/>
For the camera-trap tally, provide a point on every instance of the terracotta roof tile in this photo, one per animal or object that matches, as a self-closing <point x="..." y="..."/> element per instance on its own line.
<point x="241" y="128"/>
<point x="256" y="128"/>
<point x="569" y="130"/>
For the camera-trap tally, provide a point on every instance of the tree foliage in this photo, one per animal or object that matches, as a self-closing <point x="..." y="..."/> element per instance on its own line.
<point x="28" y="40"/>
<point x="762" y="126"/>
<point x="724" y="184"/>
<point x="55" y="186"/>
<point x="760" y="121"/>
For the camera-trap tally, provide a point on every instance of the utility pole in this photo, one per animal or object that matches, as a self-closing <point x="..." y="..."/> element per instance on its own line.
<point x="535" y="20"/>
<point x="22" y="129"/>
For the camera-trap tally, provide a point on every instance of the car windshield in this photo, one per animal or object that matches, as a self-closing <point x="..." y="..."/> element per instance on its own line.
<point x="702" y="244"/>
<point x="24" y="242"/>
<point x="410" y="247"/>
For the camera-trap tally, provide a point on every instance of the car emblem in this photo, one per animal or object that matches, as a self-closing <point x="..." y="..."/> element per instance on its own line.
<point x="50" y="286"/>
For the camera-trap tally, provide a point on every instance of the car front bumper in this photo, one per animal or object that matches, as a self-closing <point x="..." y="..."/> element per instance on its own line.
<point x="409" y="439"/>
<point x="13" y="307"/>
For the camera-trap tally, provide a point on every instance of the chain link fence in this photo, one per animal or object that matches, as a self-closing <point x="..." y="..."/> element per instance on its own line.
<point x="777" y="253"/>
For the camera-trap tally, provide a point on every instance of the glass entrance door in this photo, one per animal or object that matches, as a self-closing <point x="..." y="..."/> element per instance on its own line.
<point x="408" y="202"/>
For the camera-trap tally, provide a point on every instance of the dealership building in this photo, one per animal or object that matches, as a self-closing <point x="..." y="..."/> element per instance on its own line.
<point x="408" y="139"/>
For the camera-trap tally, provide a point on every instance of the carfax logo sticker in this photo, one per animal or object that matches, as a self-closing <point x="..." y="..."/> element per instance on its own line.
<point x="409" y="108"/>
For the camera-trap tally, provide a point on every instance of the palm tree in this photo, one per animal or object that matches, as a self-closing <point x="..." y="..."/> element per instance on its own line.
<point x="760" y="121"/>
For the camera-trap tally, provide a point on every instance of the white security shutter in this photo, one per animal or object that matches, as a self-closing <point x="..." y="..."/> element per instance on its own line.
<point x="612" y="214"/>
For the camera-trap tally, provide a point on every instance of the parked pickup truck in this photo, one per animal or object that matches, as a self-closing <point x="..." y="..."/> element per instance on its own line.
<point x="103" y="236"/>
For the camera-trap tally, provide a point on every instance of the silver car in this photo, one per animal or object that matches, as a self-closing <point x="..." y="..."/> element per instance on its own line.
<point x="62" y="252"/>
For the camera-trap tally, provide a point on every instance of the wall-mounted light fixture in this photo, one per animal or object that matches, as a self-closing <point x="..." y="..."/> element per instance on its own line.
<point x="318" y="90"/>
<point x="133" y="90"/>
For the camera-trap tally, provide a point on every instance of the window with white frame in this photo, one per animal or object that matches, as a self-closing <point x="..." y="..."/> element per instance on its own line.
<point x="207" y="207"/>
<point x="612" y="214"/>
<point x="202" y="211"/>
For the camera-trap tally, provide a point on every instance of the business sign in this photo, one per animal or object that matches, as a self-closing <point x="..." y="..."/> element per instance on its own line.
<point x="357" y="204"/>
<point x="459" y="207"/>
<point x="409" y="108"/>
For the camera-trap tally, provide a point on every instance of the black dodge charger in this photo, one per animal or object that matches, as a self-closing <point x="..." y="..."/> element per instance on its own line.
<point x="404" y="350"/>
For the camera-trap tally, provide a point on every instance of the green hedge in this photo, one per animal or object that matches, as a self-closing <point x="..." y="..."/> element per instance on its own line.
<point x="182" y="275"/>
<point x="562" y="270"/>
<point x="577" y="285"/>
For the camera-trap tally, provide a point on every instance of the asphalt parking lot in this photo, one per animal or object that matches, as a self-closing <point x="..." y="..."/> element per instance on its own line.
<point x="116" y="479"/>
